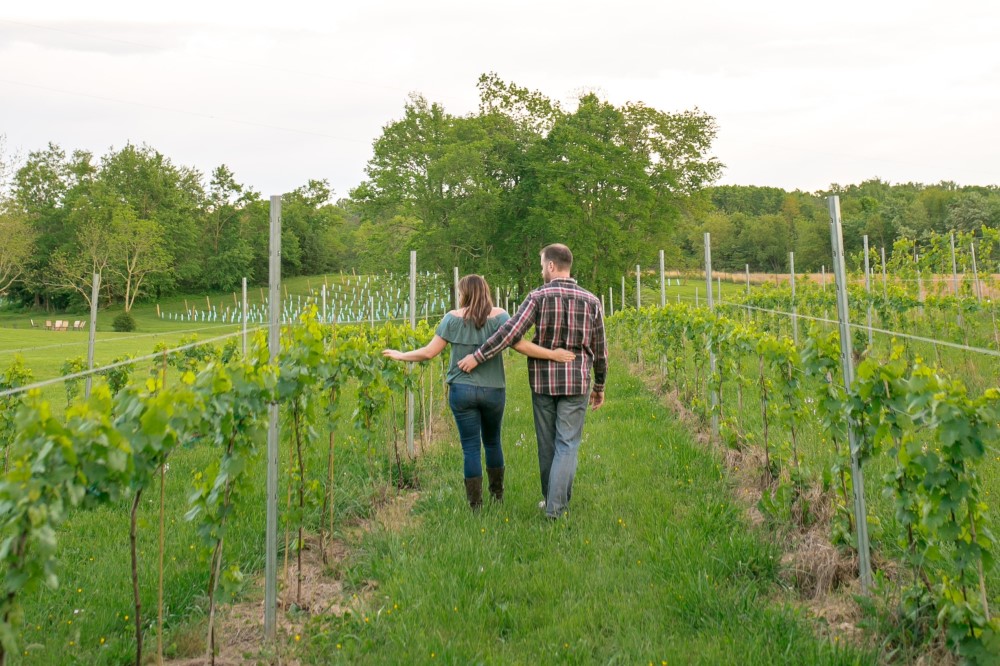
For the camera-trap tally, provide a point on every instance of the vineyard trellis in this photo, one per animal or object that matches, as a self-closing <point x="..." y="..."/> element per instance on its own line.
<point x="922" y="421"/>
<point x="920" y="428"/>
<point x="919" y="422"/>
<point x="115" y="444"/>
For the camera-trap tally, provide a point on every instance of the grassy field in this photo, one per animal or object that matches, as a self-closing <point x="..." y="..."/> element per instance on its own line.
<point x="45" y="352"/>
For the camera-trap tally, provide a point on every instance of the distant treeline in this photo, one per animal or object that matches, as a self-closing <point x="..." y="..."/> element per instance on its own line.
<point x="761" y="225"/>
<point x="483" y="192"/>
<point x="150" y="227"/>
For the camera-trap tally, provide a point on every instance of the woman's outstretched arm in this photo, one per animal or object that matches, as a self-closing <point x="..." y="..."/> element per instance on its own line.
<point x="425" y="353"/>
<point x="531" y="350"/>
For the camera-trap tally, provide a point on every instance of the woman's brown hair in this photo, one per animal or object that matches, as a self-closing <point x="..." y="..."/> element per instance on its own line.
<point x="474" y="296"/>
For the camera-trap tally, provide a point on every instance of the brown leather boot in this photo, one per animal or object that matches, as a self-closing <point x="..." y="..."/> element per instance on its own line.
<point x="474" y="492"/>
<point x="495" y="475"/>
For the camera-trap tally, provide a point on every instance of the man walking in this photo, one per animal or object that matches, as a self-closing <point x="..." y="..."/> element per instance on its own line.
<point x="564" y="315"/>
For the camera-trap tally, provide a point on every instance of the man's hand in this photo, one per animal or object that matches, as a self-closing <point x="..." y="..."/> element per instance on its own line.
<point x="596" y="399"/>
<point x="468" y="364"/>
<point x="393" y="354"/>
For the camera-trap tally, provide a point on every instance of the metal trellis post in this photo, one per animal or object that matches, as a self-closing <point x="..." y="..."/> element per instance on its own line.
<point x="847" y="362"/>
<point x="92" y="337"/>
<point x="711" y="352"/>
<point x="273" y="433"/>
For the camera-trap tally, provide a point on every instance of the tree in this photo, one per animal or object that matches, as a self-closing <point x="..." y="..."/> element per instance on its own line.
<point x="74" y="271"/>
<point x="813" y="245"/>
<point x="228" y="253"/>
<point x="767" y="243"/>
<point x="17" y="246"/>
<point x="973" y="210"/>
<point x="137" y="252"/>
<point x="8" y="167"/>
<point x="43" y="191"/>
<point x="515" y="120"/>
<point x="423" y="168"/>
<point x="307" y="212"/>
<point x="487" y="191"/>
<point x="594" y="193"/>
<point x="171" y="196"/>
<point x="726" y="230"/>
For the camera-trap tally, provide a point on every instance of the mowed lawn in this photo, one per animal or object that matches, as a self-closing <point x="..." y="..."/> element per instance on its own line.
<point x="45" y="352"/>
<point x="655" y="563"/>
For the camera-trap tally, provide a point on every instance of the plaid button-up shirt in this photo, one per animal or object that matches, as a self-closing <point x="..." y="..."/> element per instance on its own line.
<point x="564" y="315"/>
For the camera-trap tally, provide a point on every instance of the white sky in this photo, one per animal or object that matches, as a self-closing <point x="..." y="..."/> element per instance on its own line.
<point x="805" y="94"/>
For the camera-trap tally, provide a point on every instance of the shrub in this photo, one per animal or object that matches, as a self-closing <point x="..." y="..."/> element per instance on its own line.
<point x="124" y="323"/>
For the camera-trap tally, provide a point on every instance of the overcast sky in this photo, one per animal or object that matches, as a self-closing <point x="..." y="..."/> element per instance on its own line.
<point x="805" y="94"/>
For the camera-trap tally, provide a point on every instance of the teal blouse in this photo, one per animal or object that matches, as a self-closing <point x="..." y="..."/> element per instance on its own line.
<point x="464" y="339"/>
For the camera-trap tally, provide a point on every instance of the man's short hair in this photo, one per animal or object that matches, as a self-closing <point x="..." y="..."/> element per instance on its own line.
<point x="558" y="254"/>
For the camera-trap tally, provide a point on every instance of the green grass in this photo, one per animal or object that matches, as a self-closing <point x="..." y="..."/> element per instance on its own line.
<point x="689" y="290"/>
<point x="654" y="563"/>
<point x="145" y="312"/>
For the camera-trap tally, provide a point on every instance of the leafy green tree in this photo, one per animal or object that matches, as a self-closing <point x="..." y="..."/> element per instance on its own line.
<point x="378" y="244"/>
<point x="972" y="211"/>
<point x="748" y="199"/>
<point x="912" y="220"/>
<point x="137" y="253"/>
<point x="171" y="196"/>
<point x="812" y="247"/>
<point x="594" y="192"/>
<point x="73" y="271"/>
<point x="429" y="169"/>
<point x="309" y="214"/>
<point x="228" y="253"/>
<point x="770" y="243"/>
<point x="43" y="191"/>
<point x="17" y="247"/>
<point x="727" y="235"/>
<point x="487" y="191"/>
<point x="516" y="121"/>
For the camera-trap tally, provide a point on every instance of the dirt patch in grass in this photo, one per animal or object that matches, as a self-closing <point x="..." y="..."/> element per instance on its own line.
<point x="315" y="590"/>
<point x="396" y="513"/>
<point x="837" y="615"/>
<point x="816" y="568"/>
<point x="240" y="627"/>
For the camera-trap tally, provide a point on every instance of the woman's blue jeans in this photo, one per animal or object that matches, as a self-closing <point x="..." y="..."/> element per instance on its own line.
<point x="478" y="414"/>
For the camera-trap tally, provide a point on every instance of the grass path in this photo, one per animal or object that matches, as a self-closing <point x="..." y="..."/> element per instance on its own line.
<point x="655" y="564"/>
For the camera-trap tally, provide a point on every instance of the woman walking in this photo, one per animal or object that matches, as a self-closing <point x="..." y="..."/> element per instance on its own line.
<point x="477" y="399"/>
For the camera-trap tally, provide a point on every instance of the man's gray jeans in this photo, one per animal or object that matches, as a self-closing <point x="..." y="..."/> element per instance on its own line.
<point x="558" y="429"/>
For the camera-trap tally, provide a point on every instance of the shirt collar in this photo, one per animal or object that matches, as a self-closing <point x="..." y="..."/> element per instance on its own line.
<point x="563" y="279"/>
